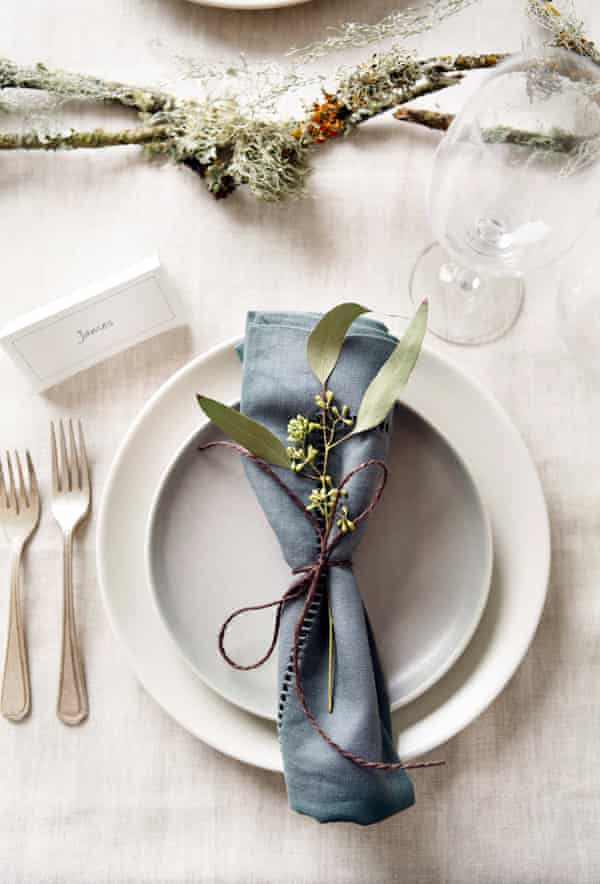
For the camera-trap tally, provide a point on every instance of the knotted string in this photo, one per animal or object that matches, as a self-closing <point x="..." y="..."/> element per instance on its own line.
<point x="307" y="584"/>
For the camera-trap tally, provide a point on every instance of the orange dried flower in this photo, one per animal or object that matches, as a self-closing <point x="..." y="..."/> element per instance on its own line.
<point x="327" y="117"/>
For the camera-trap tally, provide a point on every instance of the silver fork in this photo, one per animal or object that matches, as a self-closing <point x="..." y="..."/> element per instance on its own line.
<point x="19" y="516"/>
<point x="70" y="505"/>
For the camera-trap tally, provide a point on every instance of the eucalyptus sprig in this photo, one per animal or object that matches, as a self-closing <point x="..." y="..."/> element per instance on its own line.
<point x="311" y="438"/>
<point x="324" y="347"/>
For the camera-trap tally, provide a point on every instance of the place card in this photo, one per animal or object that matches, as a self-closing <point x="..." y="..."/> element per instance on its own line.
<point x="54" y="342"/>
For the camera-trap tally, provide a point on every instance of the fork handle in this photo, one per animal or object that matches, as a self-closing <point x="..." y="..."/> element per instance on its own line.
<point x="72" y="707"/>
<point x="15" y="701"/>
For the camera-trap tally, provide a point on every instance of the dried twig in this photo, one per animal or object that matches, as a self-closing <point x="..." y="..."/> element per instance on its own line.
<point x="424" y="117"/>
<point x="96" y="138"/>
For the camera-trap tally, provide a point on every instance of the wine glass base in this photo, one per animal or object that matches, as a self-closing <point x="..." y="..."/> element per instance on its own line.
<point x="464" y="308"/>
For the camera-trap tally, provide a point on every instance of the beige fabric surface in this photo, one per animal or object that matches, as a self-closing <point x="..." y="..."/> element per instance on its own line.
<point x="131" y="797"/>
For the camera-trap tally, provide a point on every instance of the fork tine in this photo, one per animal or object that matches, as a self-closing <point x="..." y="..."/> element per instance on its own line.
<point x="34" y="492"/>
<point x="12" y="491"/>
<point x="23" y="497"/>
<point x="83" y="461"/>
<point x="55" y="473"/>
<point x="75" y="469"/>
<point x="66" y="482"/>
<point x="3" y="491"/>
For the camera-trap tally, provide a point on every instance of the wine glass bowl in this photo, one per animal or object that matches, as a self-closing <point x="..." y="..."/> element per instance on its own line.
<point x="514" y="184"/>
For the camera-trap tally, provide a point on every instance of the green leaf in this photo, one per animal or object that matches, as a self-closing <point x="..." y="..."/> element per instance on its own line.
<point x="386" y="386"/>
<point x="252" y="435"/>
<point x="327" y="338"/>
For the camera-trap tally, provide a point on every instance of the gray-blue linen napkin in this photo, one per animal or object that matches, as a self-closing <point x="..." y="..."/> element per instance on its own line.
<point x="277" y="385"/>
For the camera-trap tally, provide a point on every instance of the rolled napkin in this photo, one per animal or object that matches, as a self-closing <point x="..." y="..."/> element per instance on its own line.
<point x="339" y="765"/>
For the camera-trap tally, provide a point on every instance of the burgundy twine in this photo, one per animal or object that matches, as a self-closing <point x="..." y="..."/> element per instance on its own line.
<point x="308" y="584"/>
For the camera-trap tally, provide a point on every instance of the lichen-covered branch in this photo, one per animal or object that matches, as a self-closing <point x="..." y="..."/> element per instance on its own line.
<point x="567" y="30"/>
<point x="389" y="81"/>
<point x="223" y="143"/>
<point x="568" y="33"/>
<point x="230" y="142"/>
<point x="96" y="138"/>
<point x="556" y="141"/>
<point x="77" y="86"/>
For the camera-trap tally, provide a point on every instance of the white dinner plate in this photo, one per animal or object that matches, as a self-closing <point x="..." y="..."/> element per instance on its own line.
<point x="482" y="436"/>
<point x="249" y="4"/>
<point x="424" y="567"/>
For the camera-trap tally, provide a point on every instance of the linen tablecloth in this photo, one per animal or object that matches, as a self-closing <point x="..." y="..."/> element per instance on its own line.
<point x="131" y="797"/>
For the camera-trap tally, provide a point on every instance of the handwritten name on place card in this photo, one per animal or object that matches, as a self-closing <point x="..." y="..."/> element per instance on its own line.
<point x="86" y="333"/>
<point x="79" y="331"/>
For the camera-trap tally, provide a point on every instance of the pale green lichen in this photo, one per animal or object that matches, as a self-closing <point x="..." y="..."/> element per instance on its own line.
<point x="567" y="29"/>
<point x="236" y="149"/>
<point x="399" y="25"/>
<point x="261" y="84"/>
<point x="259" y="87"/>
<point x="376" y="82"/>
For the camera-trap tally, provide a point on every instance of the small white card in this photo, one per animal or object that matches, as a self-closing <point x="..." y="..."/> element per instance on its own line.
<point x="73" y="333"/>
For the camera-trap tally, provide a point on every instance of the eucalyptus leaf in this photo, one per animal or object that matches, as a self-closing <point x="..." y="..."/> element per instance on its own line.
<point x="252" y="435"/>
<point x="385" y="388"/>
<point x="327" y="338"/>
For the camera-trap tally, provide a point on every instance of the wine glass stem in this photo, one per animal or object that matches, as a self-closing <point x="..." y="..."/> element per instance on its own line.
<point x="466" y="280"/>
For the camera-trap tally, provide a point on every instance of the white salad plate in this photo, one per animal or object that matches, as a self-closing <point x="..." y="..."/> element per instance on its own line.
<point x="475" y="428"/>
<point x="424" y="566"/>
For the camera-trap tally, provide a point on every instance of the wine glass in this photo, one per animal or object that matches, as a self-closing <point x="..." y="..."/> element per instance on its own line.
<point x="514" y="183"/>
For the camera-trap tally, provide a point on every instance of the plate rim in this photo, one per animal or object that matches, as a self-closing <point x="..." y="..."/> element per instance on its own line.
<point x="249" y="5"/>
<point x="438" y="673"/>
<point x="271" y="759"/>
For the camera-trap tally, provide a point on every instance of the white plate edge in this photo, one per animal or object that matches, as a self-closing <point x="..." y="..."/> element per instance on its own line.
<point x="438" y="674"/>
<point x="465" y="720"/>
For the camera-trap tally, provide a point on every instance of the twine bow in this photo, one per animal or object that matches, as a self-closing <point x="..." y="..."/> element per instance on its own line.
<point x="307" y="585"/>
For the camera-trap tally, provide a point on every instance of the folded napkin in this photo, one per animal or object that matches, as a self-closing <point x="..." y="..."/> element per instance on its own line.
<point x="277" y="385"/>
